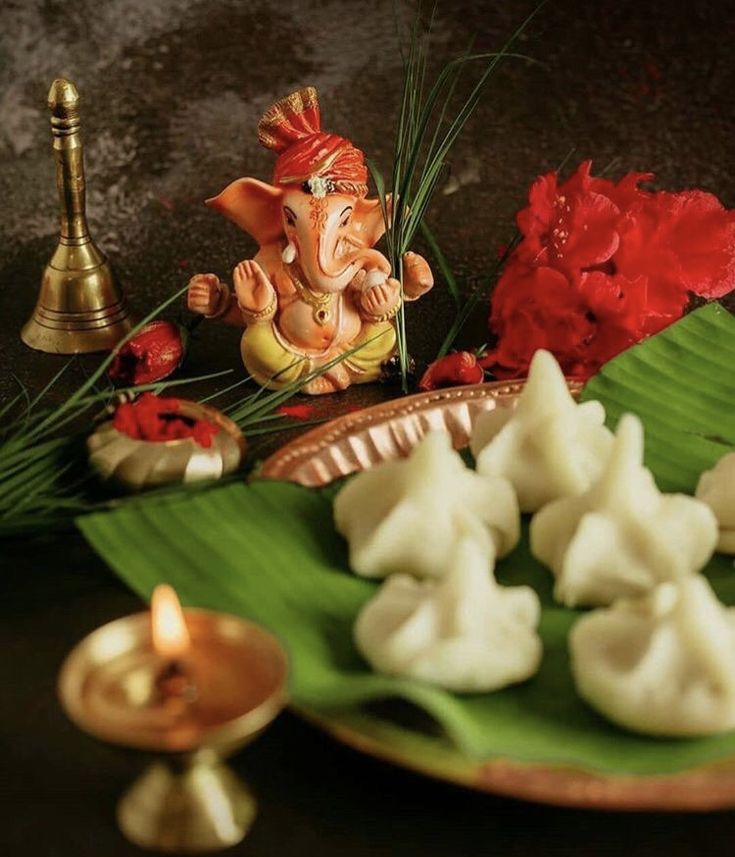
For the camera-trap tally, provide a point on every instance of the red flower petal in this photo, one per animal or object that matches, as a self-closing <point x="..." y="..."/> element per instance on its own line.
<point x="585" y="232"/>
<point x="536" y="308"/>
<point x="701" y="237"/>
<point x="296" y="412"/>
<point x="569" y="227"/>
<point x="621" y="311"/>
<point x="681" y="242"/>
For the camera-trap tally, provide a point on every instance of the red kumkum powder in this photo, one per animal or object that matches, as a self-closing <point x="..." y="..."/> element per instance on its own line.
<point x="155" y="419"/>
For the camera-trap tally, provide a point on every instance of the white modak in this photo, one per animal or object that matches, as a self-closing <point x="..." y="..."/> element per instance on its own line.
<point x="406" y="516"/>
<point x="549" y="446"/>
<point x="716" y="488"/>
<point x="663" y="664"/>
<point x="622" y="536"/>
<point x="465" y="633"/>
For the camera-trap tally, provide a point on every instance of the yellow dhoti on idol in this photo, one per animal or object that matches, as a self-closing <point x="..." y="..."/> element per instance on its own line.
<point x="275" y="364"/>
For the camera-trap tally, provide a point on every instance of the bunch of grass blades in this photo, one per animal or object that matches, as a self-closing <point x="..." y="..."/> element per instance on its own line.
<point x="45" y="479"/>
<point x="430" y="119"/>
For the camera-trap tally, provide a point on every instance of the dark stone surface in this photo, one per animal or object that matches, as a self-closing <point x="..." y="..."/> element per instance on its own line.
<point x="172" y="91"/>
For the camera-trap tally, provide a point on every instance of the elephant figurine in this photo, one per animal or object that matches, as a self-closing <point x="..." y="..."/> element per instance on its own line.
<point x="317" y="289"/>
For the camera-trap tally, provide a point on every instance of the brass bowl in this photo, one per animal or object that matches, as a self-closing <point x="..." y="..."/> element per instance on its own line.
<point x="141" y="464"/>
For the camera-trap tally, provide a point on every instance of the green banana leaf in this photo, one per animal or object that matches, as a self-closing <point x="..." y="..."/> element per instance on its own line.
<point x="681" y="383"/>
<point x="269" y="551"/>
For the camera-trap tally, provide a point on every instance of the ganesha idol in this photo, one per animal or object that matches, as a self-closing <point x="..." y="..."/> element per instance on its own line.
<point x="317" y="295"/>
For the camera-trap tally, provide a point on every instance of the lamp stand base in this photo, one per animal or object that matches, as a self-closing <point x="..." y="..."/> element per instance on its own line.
<point x="195" y="804"/>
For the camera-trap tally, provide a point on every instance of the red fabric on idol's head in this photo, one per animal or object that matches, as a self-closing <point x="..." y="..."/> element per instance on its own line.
<point x="292" y="127"/>
<point x="321" y="155"/>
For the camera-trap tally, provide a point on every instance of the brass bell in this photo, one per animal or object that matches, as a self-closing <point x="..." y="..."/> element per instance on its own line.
<point x="80" y="308"/>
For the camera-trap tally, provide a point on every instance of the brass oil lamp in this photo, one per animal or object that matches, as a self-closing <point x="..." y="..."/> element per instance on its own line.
<point x="189" y="687"/>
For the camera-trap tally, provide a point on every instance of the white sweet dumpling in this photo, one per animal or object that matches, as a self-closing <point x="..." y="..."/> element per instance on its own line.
<point x="489" y="423"/>
<point x="622" y="536"/>
<point x="465" y="633"/>
<point x="716" y="488"/>
<point x="549" y="446"/>
<point x="663" y="664"/>
<point x="406" y="516"/>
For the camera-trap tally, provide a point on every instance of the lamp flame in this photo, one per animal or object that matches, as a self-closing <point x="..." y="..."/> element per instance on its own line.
<point x="169" y="633"/>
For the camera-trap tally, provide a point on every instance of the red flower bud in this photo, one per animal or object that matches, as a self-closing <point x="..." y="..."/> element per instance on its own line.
<point x="153" y="418"/>
<point x="453" y="370"/>
<point x="152" y="354"/>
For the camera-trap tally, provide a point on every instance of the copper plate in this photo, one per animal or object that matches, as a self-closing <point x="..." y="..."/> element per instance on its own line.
<point x="389" y="430"/>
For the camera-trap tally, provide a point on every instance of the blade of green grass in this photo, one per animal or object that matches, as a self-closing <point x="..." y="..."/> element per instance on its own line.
<point x="421" y="148"/>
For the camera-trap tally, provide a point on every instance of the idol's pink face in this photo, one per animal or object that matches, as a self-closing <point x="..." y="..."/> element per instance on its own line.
<point x="333" y="236"/>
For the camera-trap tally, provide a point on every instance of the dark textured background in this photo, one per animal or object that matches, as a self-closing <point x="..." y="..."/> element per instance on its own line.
<point x="172" y="91"/>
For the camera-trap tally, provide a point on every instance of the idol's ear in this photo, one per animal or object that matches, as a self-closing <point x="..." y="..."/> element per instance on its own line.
<point x="254" y="206"/>
<point x="368" y="219"/>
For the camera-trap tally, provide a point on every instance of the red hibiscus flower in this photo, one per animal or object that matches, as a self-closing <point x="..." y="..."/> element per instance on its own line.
<point x="153" y="418"/>
<point x="603" y="265"/>
<point x="453" y="370"/>
<point x="151" y="355"/>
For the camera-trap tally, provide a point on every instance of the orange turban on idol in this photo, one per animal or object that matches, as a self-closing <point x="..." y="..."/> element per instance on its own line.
<point x="292" y="127"/>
